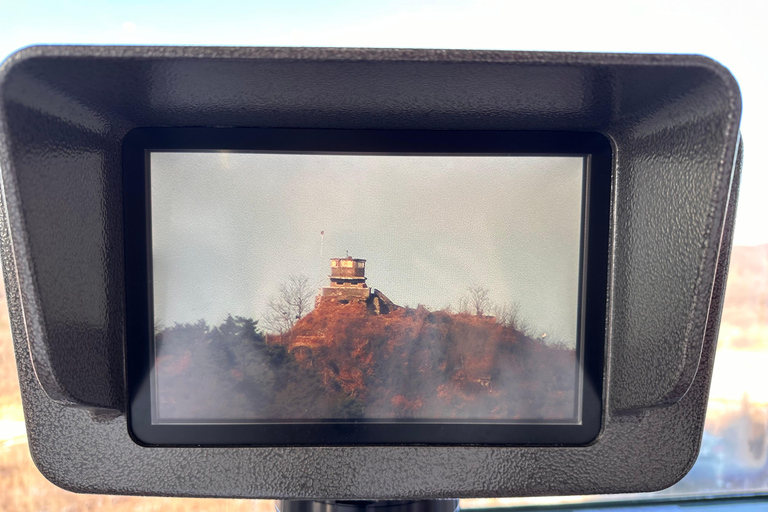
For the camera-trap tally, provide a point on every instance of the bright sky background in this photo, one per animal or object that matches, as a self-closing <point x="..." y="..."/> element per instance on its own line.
<point x="732" y="32"/>
<point x="228" y="228"/>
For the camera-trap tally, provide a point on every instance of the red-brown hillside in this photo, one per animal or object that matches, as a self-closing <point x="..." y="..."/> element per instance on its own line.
<point x="432" y="364"/>
<point x="745" y="314"/>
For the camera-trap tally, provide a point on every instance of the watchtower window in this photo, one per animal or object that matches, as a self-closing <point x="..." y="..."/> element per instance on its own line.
<point x="334" y="263"/>
<point x="346" y="263"/>
<point x="360" y="264"/>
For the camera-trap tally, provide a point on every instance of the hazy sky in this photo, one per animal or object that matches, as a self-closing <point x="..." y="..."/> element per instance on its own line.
<point x="229" y="227"/>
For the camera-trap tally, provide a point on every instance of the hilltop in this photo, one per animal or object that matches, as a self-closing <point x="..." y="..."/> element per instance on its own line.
<point x="416" y="363"/>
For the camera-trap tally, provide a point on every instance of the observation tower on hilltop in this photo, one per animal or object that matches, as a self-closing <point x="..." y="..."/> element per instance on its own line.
<point x="348" y="286"/>
<point x="347" y="280"/>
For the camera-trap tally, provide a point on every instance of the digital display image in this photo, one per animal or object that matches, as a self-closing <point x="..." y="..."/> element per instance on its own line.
<point x="343" y="287"/>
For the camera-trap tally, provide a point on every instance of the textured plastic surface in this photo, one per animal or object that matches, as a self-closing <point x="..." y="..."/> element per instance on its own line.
<point x="64" y="111"/>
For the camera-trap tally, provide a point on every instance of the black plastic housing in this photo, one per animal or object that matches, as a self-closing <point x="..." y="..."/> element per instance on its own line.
<point x="64" y="112"/>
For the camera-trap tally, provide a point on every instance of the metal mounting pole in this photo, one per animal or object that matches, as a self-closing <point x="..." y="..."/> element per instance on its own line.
<point x="450" y="505"/>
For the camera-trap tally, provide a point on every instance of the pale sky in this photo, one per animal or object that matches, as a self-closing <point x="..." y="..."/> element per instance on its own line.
<point x="229" y="227"/>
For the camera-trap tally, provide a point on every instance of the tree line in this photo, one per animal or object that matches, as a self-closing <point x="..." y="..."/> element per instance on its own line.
<point x="229" y="371"/>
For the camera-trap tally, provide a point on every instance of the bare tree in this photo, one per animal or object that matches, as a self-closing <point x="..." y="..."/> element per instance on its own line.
<point x="463" y="306"/>
<point x="507" y="314"/>
<point x="476" y="301"/>
<point x="293" y="301"/>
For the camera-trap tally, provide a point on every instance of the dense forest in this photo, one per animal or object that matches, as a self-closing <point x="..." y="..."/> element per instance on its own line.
<point x="342" y="361"/>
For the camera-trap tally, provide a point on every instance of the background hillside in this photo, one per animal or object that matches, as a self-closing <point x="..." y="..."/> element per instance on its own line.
<point x="416" y="363"/>
<point x="343" y="361"/>
<point x="745" y="316"/>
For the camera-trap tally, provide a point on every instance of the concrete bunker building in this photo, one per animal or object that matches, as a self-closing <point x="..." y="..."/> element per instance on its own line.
<point x="347" y="281"/>
<point x="348" y="285"/>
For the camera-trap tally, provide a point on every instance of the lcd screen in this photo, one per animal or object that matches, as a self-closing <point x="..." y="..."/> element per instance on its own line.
<point x="292" y="287"/>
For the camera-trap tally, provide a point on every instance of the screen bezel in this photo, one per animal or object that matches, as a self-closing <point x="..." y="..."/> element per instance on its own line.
<point x="597" y="181"/>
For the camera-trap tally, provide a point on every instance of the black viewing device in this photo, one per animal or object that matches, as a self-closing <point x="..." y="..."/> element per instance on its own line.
<point x="581" y="428"/>
<point x="404" y="281"/>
